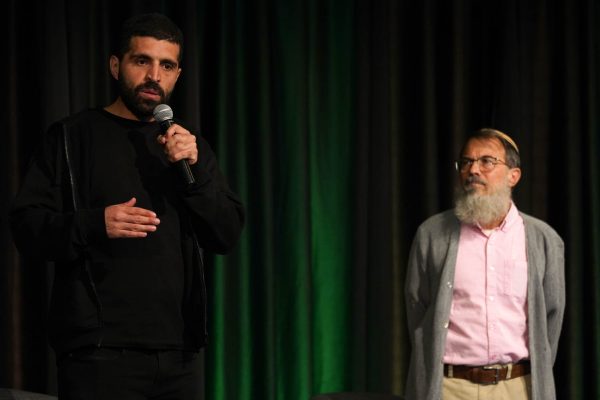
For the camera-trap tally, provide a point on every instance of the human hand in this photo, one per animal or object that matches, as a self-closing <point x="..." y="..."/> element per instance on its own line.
<point x="179" y="144"/>
<point x="126" y="221"/>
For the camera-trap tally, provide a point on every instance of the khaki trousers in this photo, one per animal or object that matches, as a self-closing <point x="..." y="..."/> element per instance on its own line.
<point x="462" y="389"/>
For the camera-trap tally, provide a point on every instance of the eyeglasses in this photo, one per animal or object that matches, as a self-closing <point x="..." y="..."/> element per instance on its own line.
<point x="486" y="163"/>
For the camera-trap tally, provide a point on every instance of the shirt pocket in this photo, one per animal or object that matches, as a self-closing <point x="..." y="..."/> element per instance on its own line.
<point x="516" y="278"/>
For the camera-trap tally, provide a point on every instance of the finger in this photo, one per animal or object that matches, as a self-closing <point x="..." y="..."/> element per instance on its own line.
<point x="129" y="231"/>
<point x="133" y="227"/>
<point x="122" y="228"/>
<point x="131" y="235"/>
<point x="176" y="151"/>
<point x="185" y="137"/>
<point x="142" y="220"/>
<point x="186" y="143"/>
<point x="176" y="129"/>
<point x="144" y="217"/>
<point x="117" y="219"/>
<point x="138" y="211"/>
<point x="122" y="234"/>
<point x="190" y="155"/>
<point x="180" y="140"/>
<point x="181" y="146"/>
<point x="171" y="131"/>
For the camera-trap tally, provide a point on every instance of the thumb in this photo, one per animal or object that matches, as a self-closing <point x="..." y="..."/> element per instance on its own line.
<point x="130" y="202"/>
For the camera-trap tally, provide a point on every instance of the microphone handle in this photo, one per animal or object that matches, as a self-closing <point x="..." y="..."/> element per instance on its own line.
<point x="186" y="172"/>
<point x="182" y="165"/>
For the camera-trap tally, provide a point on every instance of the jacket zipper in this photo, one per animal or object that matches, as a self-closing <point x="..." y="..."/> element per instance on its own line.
<point x="88" y="271"/>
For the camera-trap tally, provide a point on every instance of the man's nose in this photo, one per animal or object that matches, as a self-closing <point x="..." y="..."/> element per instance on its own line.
<point x="153" y="73"/>
<point x="474" y="168"/>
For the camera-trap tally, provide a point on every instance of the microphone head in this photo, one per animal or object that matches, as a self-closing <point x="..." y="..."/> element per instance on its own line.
<point x="162" y="112"/>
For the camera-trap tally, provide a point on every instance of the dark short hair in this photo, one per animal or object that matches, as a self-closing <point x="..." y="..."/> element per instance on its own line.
<point x="513" y="159"/>
<point x="153" y="25"/>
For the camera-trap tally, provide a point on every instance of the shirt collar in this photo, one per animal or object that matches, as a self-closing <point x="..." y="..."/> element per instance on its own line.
<point x="511" y="217"/>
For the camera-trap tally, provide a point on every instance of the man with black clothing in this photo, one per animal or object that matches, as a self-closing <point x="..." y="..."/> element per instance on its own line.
<point x="103" y="201"/>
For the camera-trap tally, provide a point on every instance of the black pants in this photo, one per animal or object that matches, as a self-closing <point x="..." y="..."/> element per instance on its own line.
<point x="126" y="374"/>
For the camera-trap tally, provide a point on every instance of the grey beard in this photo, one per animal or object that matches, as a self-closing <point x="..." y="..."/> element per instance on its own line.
<point x="472" y="208"/>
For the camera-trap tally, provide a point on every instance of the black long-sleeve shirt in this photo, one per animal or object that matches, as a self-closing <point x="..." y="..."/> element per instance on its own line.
<point x="141" y="289"/>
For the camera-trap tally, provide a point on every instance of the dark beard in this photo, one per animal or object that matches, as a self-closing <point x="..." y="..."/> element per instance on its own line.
<point x="141" y="108"/>
<point x="472" y="208"/>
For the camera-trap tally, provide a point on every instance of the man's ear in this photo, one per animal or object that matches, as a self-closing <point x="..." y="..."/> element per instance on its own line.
<point x="114" y="67"/>
<point x="514" y="175"/>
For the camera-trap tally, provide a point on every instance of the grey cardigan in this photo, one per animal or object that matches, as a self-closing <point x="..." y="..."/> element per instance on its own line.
<point x="428" y="291"/>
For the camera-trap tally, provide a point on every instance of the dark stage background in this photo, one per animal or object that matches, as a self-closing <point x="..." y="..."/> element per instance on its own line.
<point x="337" y="122"/>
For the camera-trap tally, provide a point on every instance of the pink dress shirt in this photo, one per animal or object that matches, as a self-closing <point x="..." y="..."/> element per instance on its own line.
<point x="488" y="316"/>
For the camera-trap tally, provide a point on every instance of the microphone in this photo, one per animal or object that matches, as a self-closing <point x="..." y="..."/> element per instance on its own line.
<point x="164" y="115"/>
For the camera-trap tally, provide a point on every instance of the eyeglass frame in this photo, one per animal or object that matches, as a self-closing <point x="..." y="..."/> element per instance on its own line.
<point x="470" y="161"/>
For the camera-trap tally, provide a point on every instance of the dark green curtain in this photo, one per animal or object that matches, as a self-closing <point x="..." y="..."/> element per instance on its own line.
<point x="337" y="122"/>
<point x="285" y="122"/>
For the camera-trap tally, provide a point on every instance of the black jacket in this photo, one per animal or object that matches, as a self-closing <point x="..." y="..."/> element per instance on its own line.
<point x="52" y="219"/>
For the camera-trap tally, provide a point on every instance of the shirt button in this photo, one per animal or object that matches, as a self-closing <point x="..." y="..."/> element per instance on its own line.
<point x="492" y="267"/>
<point x="449" y="284"/>
<point x="446" y="325"/>
<point x="491" y="298"/>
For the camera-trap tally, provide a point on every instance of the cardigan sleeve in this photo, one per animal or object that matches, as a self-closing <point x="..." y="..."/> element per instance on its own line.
<point x="554" y="290"/>
<point x="417" y="290"/>
<point x="546" y="257"/>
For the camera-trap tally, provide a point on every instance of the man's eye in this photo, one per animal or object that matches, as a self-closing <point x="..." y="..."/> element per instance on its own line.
<point x="487" y="161"/>
<point x="168" y="67"/>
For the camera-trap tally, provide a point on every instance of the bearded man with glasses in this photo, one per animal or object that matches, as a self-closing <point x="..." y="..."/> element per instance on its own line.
<point x="485" y="290"/>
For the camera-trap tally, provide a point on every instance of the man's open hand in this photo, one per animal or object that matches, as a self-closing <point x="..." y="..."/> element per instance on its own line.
<point x="126" y="221"/>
